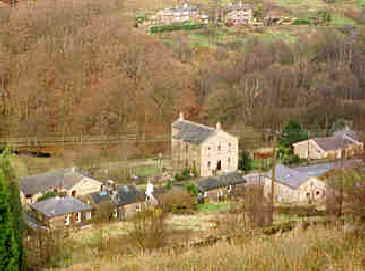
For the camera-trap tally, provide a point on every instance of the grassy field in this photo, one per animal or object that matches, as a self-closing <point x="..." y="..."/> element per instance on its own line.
<point x="317" y="249"/>
<point x="26" y="165"/>
<point x="230" y="37"/>
<point x="214" y="207"/>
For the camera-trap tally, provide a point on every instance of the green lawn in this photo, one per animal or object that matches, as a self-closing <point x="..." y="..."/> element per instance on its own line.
<point x="281" y="218"/>
<point x="338" y="20"/>
<point x="302" y="5"/>
<point x="214" y="207"/>
<point x="27" y="165"/>
<point x="146" y="171"/>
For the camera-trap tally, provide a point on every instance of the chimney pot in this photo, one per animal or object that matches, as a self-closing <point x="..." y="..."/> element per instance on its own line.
<point x="218" y="125"/>
<point x="181" y="115"/>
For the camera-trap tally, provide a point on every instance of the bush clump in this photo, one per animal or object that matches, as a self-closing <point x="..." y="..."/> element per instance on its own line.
<point x="178" y="202"/>
<point x="171" y="27"/>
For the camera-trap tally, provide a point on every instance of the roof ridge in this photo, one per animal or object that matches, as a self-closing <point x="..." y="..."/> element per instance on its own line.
<point x="198" y="124"/>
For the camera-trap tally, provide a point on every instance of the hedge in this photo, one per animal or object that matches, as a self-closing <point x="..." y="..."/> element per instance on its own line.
<point x="172" y="27"/>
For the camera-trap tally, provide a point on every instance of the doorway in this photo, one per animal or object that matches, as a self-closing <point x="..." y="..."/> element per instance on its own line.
<point x="219" y="165"/>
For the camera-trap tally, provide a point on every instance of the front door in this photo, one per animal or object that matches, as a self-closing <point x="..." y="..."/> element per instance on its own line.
<point x="219" y="165"/>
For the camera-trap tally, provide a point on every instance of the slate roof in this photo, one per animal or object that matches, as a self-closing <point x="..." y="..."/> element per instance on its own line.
<point x="100" y="197"/>
<point x="288" y="176"/>
<point x="214" y="182"/>
<point x="127" y="194"/>
<point x="60" y="206"/>
<point x="237" y="6"/>
<point x="347" y="132"/>
<point x="332" y="143"/>
<point x="181" y="9"/>
<point x="192" y="132"/>
<point x="65" y="178"/>
<point x="294" y="177"/>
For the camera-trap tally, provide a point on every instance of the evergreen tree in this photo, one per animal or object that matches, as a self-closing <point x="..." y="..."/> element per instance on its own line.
<point x="10" y="219"/>
<point x="245" y="162"/>
<point x="293" y="132"/>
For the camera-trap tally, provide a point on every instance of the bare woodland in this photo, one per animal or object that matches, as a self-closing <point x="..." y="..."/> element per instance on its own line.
<point x="71" y="68"/>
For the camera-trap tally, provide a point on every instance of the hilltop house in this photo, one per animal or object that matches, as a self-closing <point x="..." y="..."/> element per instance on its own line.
<point x="207" y="150"/>
<point x="61" y="211"/>
<point x="237" y="14"/>
<point x="301" y="184"/>
<point x="71" y="181"/>
<point x="218" y="188"/>
<point x="342" y="144"/>
<point x="182" y="14"/>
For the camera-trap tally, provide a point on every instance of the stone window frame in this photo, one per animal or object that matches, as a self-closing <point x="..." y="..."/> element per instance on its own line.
<point x="219" y="147"/>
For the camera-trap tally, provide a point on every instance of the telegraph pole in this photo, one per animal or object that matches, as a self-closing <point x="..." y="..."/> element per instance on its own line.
<point x="273" y="178"/>
<point x="308" y="154"/>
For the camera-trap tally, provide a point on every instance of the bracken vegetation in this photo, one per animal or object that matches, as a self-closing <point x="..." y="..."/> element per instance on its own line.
<point x="316" y="249"/>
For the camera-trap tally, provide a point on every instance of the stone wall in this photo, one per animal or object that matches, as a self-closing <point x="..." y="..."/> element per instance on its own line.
<point x="301" y="149"/>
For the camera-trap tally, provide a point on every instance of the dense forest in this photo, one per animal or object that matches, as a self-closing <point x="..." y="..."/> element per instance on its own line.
<point x="71" y="68"/>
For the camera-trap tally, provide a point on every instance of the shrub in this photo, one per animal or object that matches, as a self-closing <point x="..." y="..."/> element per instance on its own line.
<point x="300" y="21"/>
<point x="185" y="174"/>
<point x="245" y="162"/>
<point x="104" y="212"/>
<point x="168" y="185"/>
<point x="172" y="27"/>
<point x="48" y="195"/>
<point x="298" y="210"/>
<point x="149" y="229"/>
<point x="192" y="189"/>
<point x="178" y="202"/>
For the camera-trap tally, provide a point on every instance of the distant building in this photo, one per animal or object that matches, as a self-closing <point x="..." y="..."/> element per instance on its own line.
<point x="342" y="144"/>
<point x="237" y="14"/>
<point x="71" y="181"/>
<point x="209" y="151"/>
<point x="182" y="14"/>
<point x="301" y="184"/>
<point x="61" y="211"/>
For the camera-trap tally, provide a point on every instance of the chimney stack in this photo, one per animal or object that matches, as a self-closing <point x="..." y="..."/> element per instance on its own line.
<point x="218" y="125"/>
<point x="181" y="115"/>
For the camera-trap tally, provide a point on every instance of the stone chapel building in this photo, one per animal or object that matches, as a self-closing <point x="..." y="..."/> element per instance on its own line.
<point x="210" y="151"/>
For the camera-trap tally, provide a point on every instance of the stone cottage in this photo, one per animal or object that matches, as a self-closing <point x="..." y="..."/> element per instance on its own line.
<point x="334" y="147"/>
<point x="61" y="211"/>
<point x="181" y="14"/>
<point x="301" y="184"/>
<point x="219" y="188"/>
<point x="71" y="181"/>
<point x="126" y="199"/>
<point x="208" y="150"/>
